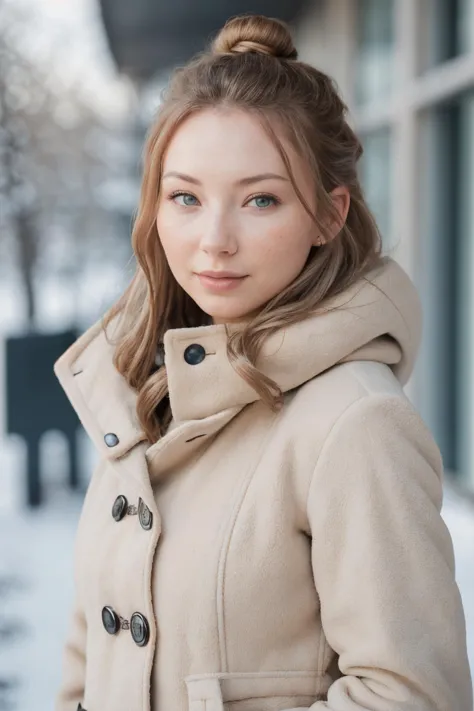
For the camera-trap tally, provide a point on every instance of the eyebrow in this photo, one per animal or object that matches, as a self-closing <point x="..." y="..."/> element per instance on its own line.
<point x="244" y="181"/>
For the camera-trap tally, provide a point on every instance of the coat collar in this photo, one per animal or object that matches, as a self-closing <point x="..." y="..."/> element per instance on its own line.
<point x="377" y="319"/>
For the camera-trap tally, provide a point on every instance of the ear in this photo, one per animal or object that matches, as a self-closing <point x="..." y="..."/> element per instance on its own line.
<point x="341" y="200"/>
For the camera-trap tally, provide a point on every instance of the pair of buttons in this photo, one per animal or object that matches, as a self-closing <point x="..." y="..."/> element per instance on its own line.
<point x="138" y="625"/>
<point x="121" y="508"/>
<point x="193" y="355"/>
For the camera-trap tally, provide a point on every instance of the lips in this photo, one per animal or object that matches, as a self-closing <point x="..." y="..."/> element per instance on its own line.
<point x="221" y="275"/>
<point x="221" y="283"/>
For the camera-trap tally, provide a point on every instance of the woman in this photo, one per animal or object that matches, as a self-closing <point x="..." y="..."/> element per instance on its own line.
<point x="263" y="530"/>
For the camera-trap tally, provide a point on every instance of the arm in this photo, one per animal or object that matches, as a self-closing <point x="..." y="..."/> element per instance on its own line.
<point x="383" y="565"/>
<point x="71" y="691"/>
<point x="74" y="663"/>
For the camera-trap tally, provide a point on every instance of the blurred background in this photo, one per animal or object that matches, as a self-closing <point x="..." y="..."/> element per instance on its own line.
<point x="80" y="81"/>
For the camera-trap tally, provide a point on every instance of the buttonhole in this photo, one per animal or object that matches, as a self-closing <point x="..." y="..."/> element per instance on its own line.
<point x="78" y="373"/>
<point x="196" y="437"/>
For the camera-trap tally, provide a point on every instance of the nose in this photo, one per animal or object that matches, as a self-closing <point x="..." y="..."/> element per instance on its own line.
<point x="218" y="234"/>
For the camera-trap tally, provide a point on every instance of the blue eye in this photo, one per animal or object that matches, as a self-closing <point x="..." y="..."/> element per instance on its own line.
<point x="186" y="202"/>
<point x="263" y="201"/>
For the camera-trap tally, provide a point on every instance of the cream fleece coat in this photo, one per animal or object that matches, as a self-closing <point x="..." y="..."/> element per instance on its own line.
<point x="290" y="560"/>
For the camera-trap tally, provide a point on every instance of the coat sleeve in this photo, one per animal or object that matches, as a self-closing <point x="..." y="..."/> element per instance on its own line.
<point x="383" y="565"/>
<point x="71" y="691"/>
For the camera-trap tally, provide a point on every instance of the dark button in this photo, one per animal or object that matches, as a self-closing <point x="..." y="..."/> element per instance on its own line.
<point x="80" y="707"/>
<point x="145" y="516"/>
<point x="119" y="509"/>
<point x="110" y="620"/>
<point x="111" y="439"/>
<point x="194" y="354"/>
<point x="140" y="629"/>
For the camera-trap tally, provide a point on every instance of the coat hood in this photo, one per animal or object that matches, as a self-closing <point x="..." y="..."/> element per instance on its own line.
<point x="378" y="319"/>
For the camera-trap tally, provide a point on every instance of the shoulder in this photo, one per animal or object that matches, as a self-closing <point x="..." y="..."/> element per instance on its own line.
<point x="355" y="402"/>
<point x="376" y="435"/>
<point x="320" y="402"/>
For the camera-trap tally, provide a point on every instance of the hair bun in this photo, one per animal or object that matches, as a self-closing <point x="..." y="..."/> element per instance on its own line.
<point x="255" y="33"/>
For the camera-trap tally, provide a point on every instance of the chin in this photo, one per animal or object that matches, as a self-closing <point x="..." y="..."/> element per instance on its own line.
<point x="227" y="318"/>
<point x="223" y="315"/>
<point x="225" y="308"/>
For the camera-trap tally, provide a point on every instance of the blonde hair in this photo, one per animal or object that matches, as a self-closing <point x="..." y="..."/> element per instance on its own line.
<point x="252" y="65"/>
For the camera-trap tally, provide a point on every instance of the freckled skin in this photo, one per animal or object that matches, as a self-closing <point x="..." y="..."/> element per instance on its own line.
<point x="223" y="225"/>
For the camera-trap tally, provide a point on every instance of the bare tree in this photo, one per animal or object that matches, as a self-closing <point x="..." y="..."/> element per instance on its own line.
<point x="53" y="156"/>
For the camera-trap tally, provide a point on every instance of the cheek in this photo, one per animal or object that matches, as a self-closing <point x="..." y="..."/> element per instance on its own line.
<point x="168" y="230"/>
<point x="165" y="219"/>
<point x="286" y="244"/>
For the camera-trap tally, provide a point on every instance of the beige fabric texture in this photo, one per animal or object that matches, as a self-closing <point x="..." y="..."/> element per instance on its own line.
<point x="296" y="560"/>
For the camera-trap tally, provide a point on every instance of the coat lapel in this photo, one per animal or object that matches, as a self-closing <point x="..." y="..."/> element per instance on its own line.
<point x="377" y="319"/>
<point x="105" y="404"/>
<point x="106" y="407"/>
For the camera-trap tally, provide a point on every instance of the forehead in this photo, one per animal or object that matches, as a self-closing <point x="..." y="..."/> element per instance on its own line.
<point x="226" y="142"/>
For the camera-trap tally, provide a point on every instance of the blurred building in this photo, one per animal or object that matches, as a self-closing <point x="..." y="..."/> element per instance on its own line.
<point x="147" y="37"/>
<point x="406" y="69"/>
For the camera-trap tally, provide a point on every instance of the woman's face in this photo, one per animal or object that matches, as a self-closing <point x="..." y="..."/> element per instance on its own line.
<point x="227" y="204"/>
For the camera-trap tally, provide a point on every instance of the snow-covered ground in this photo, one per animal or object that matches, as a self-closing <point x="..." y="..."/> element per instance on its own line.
<point x="36" y="589"/>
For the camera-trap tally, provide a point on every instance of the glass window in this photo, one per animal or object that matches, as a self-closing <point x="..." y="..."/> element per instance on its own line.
<point x="445" y="371"/>
<point x="465" y="26"/>
<point x="375" y="46"/>
<point x="376" y="178"/>
<point x="435" y="373"/>
<point x="465" y="293"/>
<point x="446" y="30"/>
